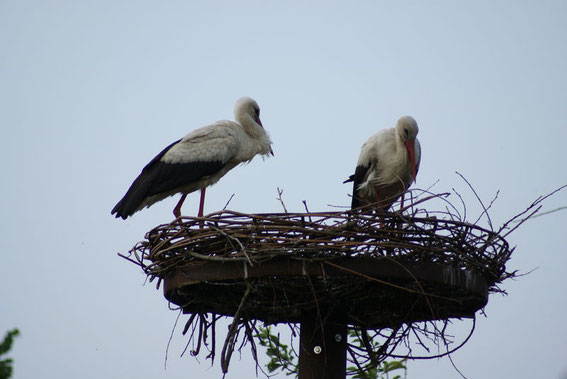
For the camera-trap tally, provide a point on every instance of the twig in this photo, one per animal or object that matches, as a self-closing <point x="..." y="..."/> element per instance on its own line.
<point x="280" y="192"/>
<point x="228" y="347"/>
<point x="170" y="338"/>
<point x="228" y="202"/>
<point x="479" y="200"/>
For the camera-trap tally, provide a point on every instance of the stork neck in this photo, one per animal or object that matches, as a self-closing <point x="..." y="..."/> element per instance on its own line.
<point x="250" y="126"/>
<point x="400" y="146"/>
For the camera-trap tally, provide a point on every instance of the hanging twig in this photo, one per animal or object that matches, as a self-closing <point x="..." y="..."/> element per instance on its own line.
<point x="230" y="340"/>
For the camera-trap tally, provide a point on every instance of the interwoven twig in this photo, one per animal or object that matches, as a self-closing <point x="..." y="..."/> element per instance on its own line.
<point x="230" y="236"/>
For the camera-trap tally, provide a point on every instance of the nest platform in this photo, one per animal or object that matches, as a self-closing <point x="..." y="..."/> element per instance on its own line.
<point x="380" y="278"/>
<point x="363" y="286"/>
<point x="366" y="270"/>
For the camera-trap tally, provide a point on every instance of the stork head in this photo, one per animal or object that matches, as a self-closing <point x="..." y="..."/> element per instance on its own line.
<point x="247" y="109"/>
<point x="407" y="129"/>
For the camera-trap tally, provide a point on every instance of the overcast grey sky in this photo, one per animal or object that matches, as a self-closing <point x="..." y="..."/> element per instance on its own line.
<point x="91" y="91"/>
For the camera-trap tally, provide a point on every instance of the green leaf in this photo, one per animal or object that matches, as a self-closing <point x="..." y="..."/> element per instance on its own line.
<point x="6" y="368"/>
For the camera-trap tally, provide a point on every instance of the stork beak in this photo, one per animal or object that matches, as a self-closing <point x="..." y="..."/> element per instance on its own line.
<point x="260" y="123"/>
<point x="410" y="146"/>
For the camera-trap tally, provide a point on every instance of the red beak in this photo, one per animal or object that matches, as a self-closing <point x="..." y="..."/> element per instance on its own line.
<point x="410" y="146"/>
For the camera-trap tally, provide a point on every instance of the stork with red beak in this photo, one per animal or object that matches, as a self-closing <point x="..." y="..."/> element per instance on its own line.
<point x="387" y="165"/>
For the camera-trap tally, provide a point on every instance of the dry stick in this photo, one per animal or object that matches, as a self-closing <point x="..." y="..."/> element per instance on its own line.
<point x="479" y="200"/>
<point x="228" y="202"/>
<point x="191" y="339"/>
<point x="242" y="248"/>
<point x="399" y="339"/>
<point x="228" y="347"/>
<point x="191" y="336"/>
<point x="464" y="218"/>
<point x="370" y="351"/>
<point x="417" y="202"/>
<point x="522" y="221"/>
<point x="427" y="190"/>
<point x="439" y="355"/>
<point x="455" y="366"/>
<point x="128" y="258"/>
<point x="549" y="212"/>
<point x="307" y="210"/>
<point x="280" y="192"/>
<point x="457" y="214"/>
<point x="201" y="336"/>
<point x="248" y="330"/>
<point x="419" y="341"/>
<point x="215" y="259"/>
<point x="382" y="349"/>
<point x="170" y="338"/>
<point x="243" y="325"/>
<point x="489" y="205"/>
<point x="354" y="358"/>
<point x="536" y="202"/>
<point x="188" y="323"/>
<point x="213" y="338"/>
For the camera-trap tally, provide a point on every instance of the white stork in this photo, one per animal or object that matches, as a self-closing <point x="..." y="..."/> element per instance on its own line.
<point x="387" y="165"/>
<point x="198" y="160"/>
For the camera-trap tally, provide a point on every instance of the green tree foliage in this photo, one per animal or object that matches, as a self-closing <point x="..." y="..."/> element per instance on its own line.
<point x="383" y="370"/>
<point x="283" y="358"/>
<point x="6" y="364"/>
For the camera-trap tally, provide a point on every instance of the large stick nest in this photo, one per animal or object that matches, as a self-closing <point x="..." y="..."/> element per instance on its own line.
<point x="229" y="236"/>
<point x="390" y="277"/>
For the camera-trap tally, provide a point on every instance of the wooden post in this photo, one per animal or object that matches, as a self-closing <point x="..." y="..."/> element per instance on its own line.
<point x="322" y="353"/>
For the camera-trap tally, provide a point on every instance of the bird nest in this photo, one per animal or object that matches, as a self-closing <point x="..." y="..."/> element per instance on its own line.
<point x="393" y="278"/>
<point x="337" y="253"/>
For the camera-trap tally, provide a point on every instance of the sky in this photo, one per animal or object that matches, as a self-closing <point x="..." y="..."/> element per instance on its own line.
<point x="90" y="91"/>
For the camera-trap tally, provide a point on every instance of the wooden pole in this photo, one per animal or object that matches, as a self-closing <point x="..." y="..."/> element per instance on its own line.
<point x="322" y="353"/>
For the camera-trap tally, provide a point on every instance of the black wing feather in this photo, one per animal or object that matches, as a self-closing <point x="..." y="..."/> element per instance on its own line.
<point x="158" y="177"/>
<point x="357" y="178"/>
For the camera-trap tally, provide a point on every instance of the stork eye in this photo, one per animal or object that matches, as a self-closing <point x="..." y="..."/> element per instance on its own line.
<point x="257" y="111"/>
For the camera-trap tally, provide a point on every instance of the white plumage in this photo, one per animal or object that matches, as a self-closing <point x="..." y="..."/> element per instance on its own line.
<point x="387" y="165"/>
<point x="198" y="160"/>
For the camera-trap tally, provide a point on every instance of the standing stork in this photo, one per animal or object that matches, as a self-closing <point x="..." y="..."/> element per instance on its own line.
<point x="387" y="165"/>
<point x="198" y="160"/>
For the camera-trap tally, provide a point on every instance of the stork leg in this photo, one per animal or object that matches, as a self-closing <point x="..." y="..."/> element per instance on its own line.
<point x="202" y="202"/>
<point x="378" y="198"/>
<point x="201" y="206"/>
<point x="379" y="209"/>
<point x="177" y="209"/>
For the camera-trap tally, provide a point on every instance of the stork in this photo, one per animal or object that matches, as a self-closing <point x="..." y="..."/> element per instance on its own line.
<point x="387" y="165"/>
<point x="198" y="160"/>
